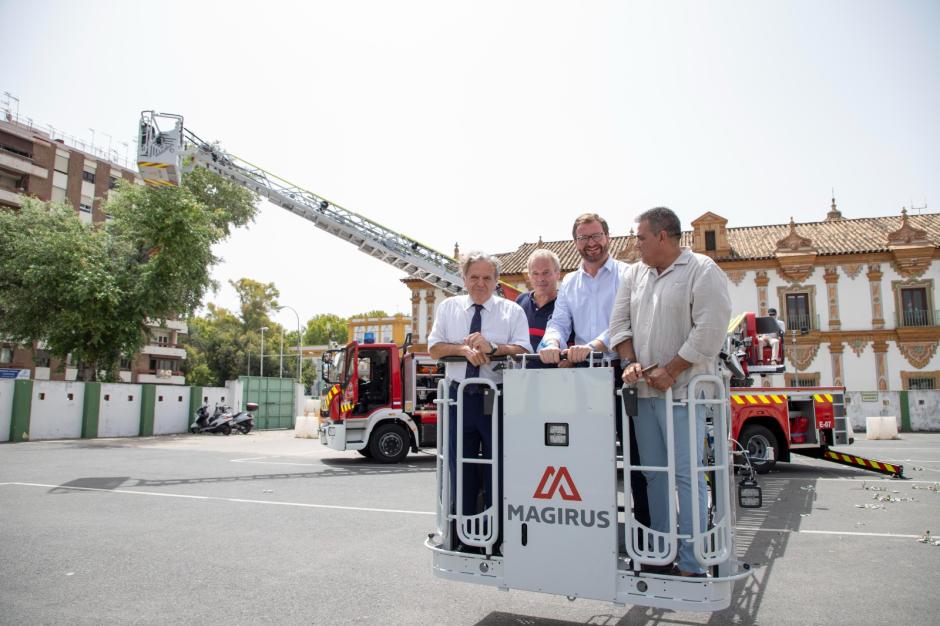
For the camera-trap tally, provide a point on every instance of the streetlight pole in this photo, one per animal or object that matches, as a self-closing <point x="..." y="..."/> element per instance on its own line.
<point x="263" y="328"/>
<point x="280" y="371"/>
<point x="300" y="356"/>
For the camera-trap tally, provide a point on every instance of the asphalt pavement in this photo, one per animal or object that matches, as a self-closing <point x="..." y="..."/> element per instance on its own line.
<point x="267" y="528"/>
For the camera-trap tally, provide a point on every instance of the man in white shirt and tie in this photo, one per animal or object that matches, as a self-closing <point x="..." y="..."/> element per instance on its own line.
<point x="476" y="326"/>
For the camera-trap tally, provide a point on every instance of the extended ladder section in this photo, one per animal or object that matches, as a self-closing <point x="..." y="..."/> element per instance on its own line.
<point x="163" y="154"/>
<point x="564" y="522"/>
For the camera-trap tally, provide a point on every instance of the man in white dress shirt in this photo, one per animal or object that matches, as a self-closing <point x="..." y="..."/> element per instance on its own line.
<point x="476" y="326"/>
<point x="672" y="312"/>
<point x="584" y="303"/>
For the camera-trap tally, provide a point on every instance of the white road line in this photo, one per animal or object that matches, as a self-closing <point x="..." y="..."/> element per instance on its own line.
<point x="886" y="449"/>
<point x="218" y="499"/>
<point x="260" y="461"/>
<point x="407" y="512"/>
<point x="824" y="532"/>
<point x="874" y="478"/>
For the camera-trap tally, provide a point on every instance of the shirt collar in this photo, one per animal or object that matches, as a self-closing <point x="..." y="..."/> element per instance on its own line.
<point x="684" y="258"/>
<point x="488" y="305"/>
<point x="608" y="265"/>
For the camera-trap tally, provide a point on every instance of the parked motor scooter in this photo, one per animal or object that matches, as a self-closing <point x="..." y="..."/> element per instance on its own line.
<point x="243" y="421"/>
<point x="219" y="421"/>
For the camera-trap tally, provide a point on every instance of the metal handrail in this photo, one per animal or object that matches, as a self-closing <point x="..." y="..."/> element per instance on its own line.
<point x="659" y="548"/>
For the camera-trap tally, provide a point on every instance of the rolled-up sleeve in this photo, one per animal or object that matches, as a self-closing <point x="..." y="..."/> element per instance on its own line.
<point x="711" y="312"/>
<point x="621" y="326"/>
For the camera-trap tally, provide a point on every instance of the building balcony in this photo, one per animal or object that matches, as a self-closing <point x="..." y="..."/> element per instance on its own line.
<point x="17" y="163"/>
<point x="802" y="323"/>
<point x="163" y="350"/>
<point x="177" y="325"/>
<point x="910" y="318"/>
<point x="10" y="197"/>
<point x="162" y="377"/>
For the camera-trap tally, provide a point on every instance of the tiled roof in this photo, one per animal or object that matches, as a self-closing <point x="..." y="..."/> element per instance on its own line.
<point x="845" y="236"/>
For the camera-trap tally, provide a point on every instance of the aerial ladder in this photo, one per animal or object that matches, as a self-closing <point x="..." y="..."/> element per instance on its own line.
<point x="166" y="150"/>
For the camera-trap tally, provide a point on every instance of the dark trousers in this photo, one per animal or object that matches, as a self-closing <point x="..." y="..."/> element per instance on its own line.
<point x="641" y="507"/>
<point x="477" y="442"/>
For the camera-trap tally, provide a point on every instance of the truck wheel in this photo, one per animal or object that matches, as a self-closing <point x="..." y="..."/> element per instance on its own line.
<point x="366" y="452"/>
<point x="389" y="443"/>
<point x="759" y="441"/>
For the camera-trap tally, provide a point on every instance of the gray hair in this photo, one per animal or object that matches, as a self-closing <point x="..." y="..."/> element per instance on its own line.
<point x="660" y="219"/>
<point x="473" y="257"/>
<point x="543" y="253"/>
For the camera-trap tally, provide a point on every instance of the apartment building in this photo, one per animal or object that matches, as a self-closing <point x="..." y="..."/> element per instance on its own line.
<point x="35" y="163"/>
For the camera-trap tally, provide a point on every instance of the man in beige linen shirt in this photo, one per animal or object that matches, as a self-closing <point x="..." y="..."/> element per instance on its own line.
<point x="672" y="311"/>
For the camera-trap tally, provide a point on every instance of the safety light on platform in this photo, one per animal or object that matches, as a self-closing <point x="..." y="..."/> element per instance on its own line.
<point x="556" y="434"/>
<point x="749" y="494"/>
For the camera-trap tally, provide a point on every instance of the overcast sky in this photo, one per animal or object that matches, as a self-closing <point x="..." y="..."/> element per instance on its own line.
<point x="493" y="123"/>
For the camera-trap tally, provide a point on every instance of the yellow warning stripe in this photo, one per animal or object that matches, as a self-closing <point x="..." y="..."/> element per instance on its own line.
<point x="332" y="393"/>
<point x="823" y="397"/>
<point x="855" y="460"/>
<point x="150" y="164"/>
<point x="740" y="399"/>
<point x="156" y="182"/>
<point x="346" y="407"/>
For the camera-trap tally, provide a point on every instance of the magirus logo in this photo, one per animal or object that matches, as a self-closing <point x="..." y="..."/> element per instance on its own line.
<point x="562" y="484"/>
<point x="558" y="482"/>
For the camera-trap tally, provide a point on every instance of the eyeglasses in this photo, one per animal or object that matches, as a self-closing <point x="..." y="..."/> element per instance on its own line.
<point x="586" y="238"/>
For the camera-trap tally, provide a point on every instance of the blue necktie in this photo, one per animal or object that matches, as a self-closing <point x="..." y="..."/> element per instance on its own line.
<point x="475" y="324"/>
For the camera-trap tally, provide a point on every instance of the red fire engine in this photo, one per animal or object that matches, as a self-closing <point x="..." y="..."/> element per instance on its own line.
<point x="381" y="403"/>
<point x="772" y="423"/>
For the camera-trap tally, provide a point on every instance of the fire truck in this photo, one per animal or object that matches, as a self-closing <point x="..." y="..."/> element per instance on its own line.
<point x="381" y="402"/>
<point x="774" y="423"/>
<point x="771" y="423"/>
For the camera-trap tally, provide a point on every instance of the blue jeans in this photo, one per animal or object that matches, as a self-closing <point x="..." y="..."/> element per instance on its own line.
<point x="650" y="428"/>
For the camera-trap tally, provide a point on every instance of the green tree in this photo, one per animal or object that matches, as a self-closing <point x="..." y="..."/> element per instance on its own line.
<point x="375" y="313"/>
<point x="324" y="328"/>
<point x="257" y="301"/>
<point x="219" y="343"/>
<point x="90" y="291"/>
<point x="224" y="342"/>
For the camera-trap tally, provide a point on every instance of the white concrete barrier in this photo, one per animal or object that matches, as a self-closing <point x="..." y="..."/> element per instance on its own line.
<point x="6" y="408"/>
<point x="216" y="395"/>
<point x="881" y="427"/>
<point x="171" y="414"/>
<point x="119" y="415"/>
<point x="56" y="410"/>
<point x="306" y="427"/>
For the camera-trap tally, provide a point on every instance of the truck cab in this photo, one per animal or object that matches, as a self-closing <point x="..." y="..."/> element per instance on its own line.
<point x="379" y="403"/>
